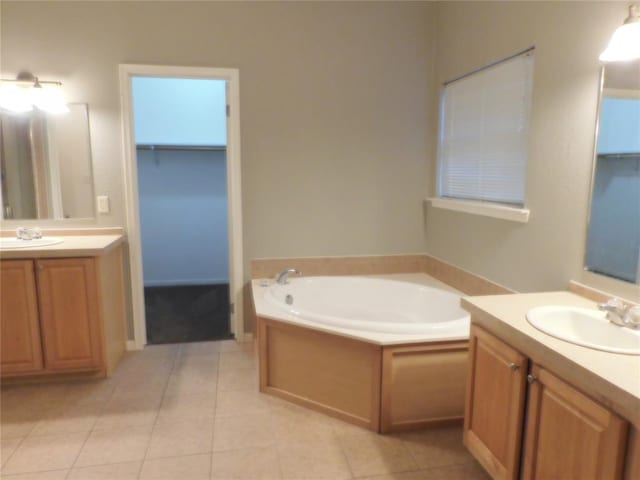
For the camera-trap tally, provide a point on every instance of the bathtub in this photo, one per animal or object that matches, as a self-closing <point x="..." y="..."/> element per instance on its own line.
<point x="372" y="305"/>
<point x="384" y="354"/>
<point x="379" y="310"/>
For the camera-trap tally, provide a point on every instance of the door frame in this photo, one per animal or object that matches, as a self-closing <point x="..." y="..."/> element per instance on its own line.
<point x="234" y="193"/>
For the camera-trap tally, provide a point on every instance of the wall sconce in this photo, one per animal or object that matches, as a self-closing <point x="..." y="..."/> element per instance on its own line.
<point x="625" y="42"/>
<point x="27" y="91"/>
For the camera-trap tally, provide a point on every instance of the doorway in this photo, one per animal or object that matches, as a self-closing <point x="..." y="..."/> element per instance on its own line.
<point x="182" y="179"/>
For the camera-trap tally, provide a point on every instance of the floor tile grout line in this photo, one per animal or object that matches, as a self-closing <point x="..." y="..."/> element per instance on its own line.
<point x="35" y="472"/>
<point x="176" y="355"/>
<point x="22" y="439"/>
<point x="49" y="470"/>
<point x="276" y="445"/>
<point x="86" y="438"/>
<point x="96" y="465"/>
<point x="415" y="460"/>
<point x="215" y="410"/>
<point x="342" y="450"/>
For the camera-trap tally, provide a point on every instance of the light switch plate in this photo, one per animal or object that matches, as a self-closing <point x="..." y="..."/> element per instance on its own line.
<point x="103" y="204"/>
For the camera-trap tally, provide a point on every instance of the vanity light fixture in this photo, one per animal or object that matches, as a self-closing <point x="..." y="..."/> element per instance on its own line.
<point x="625" y="42"/>
<point x="27" y="91"/>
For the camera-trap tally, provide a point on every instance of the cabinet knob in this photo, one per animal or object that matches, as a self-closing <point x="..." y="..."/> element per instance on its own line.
<point x="39" y="266"/>
<point x="514" y="366"/>
<point x="531" y="378"/>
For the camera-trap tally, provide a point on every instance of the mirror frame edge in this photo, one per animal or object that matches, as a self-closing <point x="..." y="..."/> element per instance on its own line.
<point x="594" y="159"/>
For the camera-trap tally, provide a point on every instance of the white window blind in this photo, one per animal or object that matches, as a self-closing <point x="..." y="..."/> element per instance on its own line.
<point x="484" y="126"/>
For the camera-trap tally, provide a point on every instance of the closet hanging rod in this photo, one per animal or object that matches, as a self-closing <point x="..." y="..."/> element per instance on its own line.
<point x="207" y="148"/>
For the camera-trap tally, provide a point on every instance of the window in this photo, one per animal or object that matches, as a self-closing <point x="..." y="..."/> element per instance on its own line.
<point x="484" y="126"/>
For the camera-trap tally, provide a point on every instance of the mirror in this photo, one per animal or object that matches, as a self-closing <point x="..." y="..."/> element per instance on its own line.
<point x="45" y="162"/>
<point x="613" y="240"/>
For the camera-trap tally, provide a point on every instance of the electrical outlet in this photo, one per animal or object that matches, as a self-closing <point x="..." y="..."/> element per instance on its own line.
<point x="103" y="204"/>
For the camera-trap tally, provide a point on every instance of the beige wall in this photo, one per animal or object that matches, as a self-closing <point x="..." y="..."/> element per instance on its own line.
<point x="338" y="109"/>
<point x="335" y="103"/>
<point x="548" y="251"/>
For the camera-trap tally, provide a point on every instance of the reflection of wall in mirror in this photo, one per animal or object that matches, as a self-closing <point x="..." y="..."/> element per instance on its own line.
<point x="72" y="150"/>
<point x="17" y="168"/>
<point x="614" y="231"/>
<point x="613" y="246"/>
<point x="619" y="125"/>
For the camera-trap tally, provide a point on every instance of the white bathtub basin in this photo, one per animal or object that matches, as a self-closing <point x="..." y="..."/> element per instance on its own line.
<point x="372" y="305"/>
<point x="586" y="327"/>
<point x="12" y="242"/>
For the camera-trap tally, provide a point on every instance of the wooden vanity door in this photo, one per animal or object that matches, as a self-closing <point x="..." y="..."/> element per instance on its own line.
<point x="70" y="314"/>
<point x="570" y="436"/>
<point x="20" y="347"/>
<point x="494" y="406"/>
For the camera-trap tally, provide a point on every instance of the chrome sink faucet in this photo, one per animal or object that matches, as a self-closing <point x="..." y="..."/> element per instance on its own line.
<point x="282" y="277"/>
<point x="28" y="233"/>
<point x="620" y="314"/>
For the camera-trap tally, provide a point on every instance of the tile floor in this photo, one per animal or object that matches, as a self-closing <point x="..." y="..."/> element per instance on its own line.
<point x="193" y="411"/>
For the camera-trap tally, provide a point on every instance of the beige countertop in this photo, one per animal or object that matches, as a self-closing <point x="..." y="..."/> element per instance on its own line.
<point x="610" y="378"/>
<point x="72" y="246"/>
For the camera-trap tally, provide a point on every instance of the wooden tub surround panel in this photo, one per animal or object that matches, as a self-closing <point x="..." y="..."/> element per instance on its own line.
<point x="332" y="374"/>
<point x="423" y="385"/>
<point x="382" y="388"/>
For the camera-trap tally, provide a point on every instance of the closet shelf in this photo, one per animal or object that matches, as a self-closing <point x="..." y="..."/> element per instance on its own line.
<point x="183" y="147"/>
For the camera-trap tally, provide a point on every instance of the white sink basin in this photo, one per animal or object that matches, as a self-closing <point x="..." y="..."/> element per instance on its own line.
<point x="586" y="327"/>
<point x="7" y="243"/>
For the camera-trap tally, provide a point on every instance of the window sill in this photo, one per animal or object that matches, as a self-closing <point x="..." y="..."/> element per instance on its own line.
<point x="513" y="214"/>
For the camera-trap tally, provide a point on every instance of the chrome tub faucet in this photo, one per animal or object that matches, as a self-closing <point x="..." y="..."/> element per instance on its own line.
<point x="620" y="314"/>
<point x="282" y="278"/>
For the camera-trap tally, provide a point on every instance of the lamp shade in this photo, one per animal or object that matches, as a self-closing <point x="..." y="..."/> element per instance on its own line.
<point x="48" y="98"/>
<point x="14" y="98"/>
<point x="625" y="42"/>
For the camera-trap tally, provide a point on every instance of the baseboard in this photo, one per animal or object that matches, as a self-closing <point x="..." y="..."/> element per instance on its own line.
<point x="245" y="337"/>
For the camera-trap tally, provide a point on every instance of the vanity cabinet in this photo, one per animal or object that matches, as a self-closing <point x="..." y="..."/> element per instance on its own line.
<point x="69" y="313"/>
<point x="494" y="406"/>
<point x="20" y="347"/>
<point x="62" y="315"/>
<point x="567" y="434"/>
